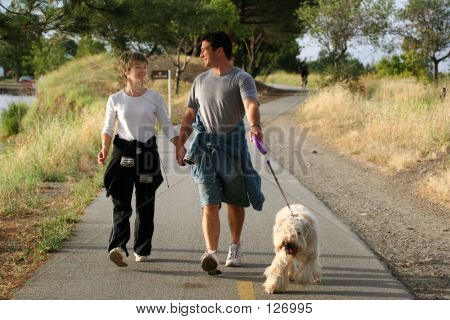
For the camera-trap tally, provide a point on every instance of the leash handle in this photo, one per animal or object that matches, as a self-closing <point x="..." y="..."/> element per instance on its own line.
<point x="259" y="145"/>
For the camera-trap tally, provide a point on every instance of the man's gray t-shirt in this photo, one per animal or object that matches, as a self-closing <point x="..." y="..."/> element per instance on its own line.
<point x="219" y="98"/>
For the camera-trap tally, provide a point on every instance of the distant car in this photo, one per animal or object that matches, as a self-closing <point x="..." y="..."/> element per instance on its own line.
<point x="26" y="79"/>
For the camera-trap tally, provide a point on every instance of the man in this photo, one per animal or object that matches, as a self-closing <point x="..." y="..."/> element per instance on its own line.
<point x="219" y="158"/>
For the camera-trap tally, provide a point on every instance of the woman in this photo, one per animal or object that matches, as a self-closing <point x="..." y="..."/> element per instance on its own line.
<point x="135" y="159"/>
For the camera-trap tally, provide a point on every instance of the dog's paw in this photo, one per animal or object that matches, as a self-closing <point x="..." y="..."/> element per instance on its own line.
<point x="292" y="275"/>
<point x="270" y="287"/>
<point x="316" y="279"/>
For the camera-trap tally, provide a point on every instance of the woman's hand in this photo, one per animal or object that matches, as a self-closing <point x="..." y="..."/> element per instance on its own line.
<point x="101" y="157"/>
<point x="106" y="143"/>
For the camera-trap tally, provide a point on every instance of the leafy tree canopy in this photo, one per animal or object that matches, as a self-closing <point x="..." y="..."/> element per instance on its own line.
<point x="427" y="29"/>
<point x="334" y="23"/>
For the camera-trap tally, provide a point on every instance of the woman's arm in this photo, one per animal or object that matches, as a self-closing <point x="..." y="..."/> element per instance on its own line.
<point x="108" y="131"/>
<point x="103" y="154"/>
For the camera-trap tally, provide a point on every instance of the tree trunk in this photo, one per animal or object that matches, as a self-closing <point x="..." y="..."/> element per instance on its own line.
<point x="253" y="45"/>
<point x="177" y="77"/>
<point x="435" y="70"/>
<point x="268" y="72"/>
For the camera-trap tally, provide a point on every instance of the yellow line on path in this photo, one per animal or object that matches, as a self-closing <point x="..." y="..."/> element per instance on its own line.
<point x="245" y="290"/>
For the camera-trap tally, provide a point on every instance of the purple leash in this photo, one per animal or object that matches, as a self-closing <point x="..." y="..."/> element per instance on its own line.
<point x="263" y="149"/>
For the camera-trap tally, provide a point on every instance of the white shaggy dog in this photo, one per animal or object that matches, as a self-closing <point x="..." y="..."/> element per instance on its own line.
<point x="296" y="247"/>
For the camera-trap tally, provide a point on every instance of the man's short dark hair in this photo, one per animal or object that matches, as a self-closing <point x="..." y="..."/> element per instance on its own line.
<point x="219" y="39"/>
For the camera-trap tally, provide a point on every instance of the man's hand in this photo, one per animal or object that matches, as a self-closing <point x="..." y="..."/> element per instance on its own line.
<point x="256" y="131"/>
<point x="185" y="131"/>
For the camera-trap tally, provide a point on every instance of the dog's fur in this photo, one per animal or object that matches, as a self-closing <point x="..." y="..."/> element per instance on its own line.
<point x="296" y="247"/>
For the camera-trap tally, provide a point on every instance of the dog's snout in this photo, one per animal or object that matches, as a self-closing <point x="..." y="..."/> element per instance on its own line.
<point x="291" y="248"/>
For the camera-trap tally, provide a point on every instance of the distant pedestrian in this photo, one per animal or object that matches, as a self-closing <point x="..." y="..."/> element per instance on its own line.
<point x="135" y="158"/>
<point x="304" y="72"/>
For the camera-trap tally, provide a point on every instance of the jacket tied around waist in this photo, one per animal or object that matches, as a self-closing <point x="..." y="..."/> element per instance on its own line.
<point x="213" y="156"/>
<point x="132" y="160"/>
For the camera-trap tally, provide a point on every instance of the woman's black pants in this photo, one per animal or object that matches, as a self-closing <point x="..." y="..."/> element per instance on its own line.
<point x="145" y="210"/>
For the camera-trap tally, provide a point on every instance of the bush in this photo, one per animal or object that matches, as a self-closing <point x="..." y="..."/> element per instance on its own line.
<point x="12" y="116"/>
<point x="404" y="65"/>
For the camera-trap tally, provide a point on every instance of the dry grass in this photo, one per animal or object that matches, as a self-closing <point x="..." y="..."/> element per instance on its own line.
<point x="395" y="125"/>
<point x="437" y="186"/>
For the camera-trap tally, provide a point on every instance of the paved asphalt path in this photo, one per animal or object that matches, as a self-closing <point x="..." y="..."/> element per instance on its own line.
<point x="82" y="270"/>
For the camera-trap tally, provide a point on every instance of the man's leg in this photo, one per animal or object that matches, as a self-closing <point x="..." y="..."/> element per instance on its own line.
<point x="236" y="217"/>
<point x="210" y="201"/>
<point x="211" y="232"/>
<point x="235" y="195"/>
<point x="211" y="226"/>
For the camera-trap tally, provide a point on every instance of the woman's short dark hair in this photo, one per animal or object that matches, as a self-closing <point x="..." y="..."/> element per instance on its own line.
<point x="128" y="59"/>
<point x="219" y="39"/>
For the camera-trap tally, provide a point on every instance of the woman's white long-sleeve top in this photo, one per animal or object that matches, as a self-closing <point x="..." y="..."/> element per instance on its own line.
<point x="137" y="116"/>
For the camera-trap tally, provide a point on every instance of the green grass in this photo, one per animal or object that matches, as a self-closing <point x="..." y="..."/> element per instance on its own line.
<point x="54" y="231"/>
<point x="11" y="118"/>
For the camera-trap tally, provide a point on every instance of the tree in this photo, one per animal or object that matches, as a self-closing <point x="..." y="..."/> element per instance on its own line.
<point x="282" y="57"/>
<point x="48" y="55"/>
<point x="24" y="22"/>
<point x="120" y="26"/>
<point x="406" y="64"/>
<point x="427" y="29"/>
<point x="335" y="23"/>
<point x="184" y="26"/>
<point x="30" y="19"/>
<point x="17" y="58"/>
<point x="177" y="26"/>
<point x="88" y="46"/>
<point x="261" y="30"/>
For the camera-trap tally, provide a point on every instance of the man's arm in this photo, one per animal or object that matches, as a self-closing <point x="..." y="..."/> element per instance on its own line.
<point x="254" y="118"/>
<point x="185" y="132"/>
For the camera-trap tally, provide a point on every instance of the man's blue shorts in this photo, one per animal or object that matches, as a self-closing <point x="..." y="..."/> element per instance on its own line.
<point x="233" y="193"/>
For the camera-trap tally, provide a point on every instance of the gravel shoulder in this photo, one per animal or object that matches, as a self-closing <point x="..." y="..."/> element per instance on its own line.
<point x="410" y="233"/>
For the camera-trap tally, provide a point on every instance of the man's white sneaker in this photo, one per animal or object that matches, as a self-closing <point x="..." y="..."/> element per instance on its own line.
<point x="141" y="258"/>
<point x="234" y="256"/>
<point x="116" y="256"/>
<point x="210" y="262"/>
